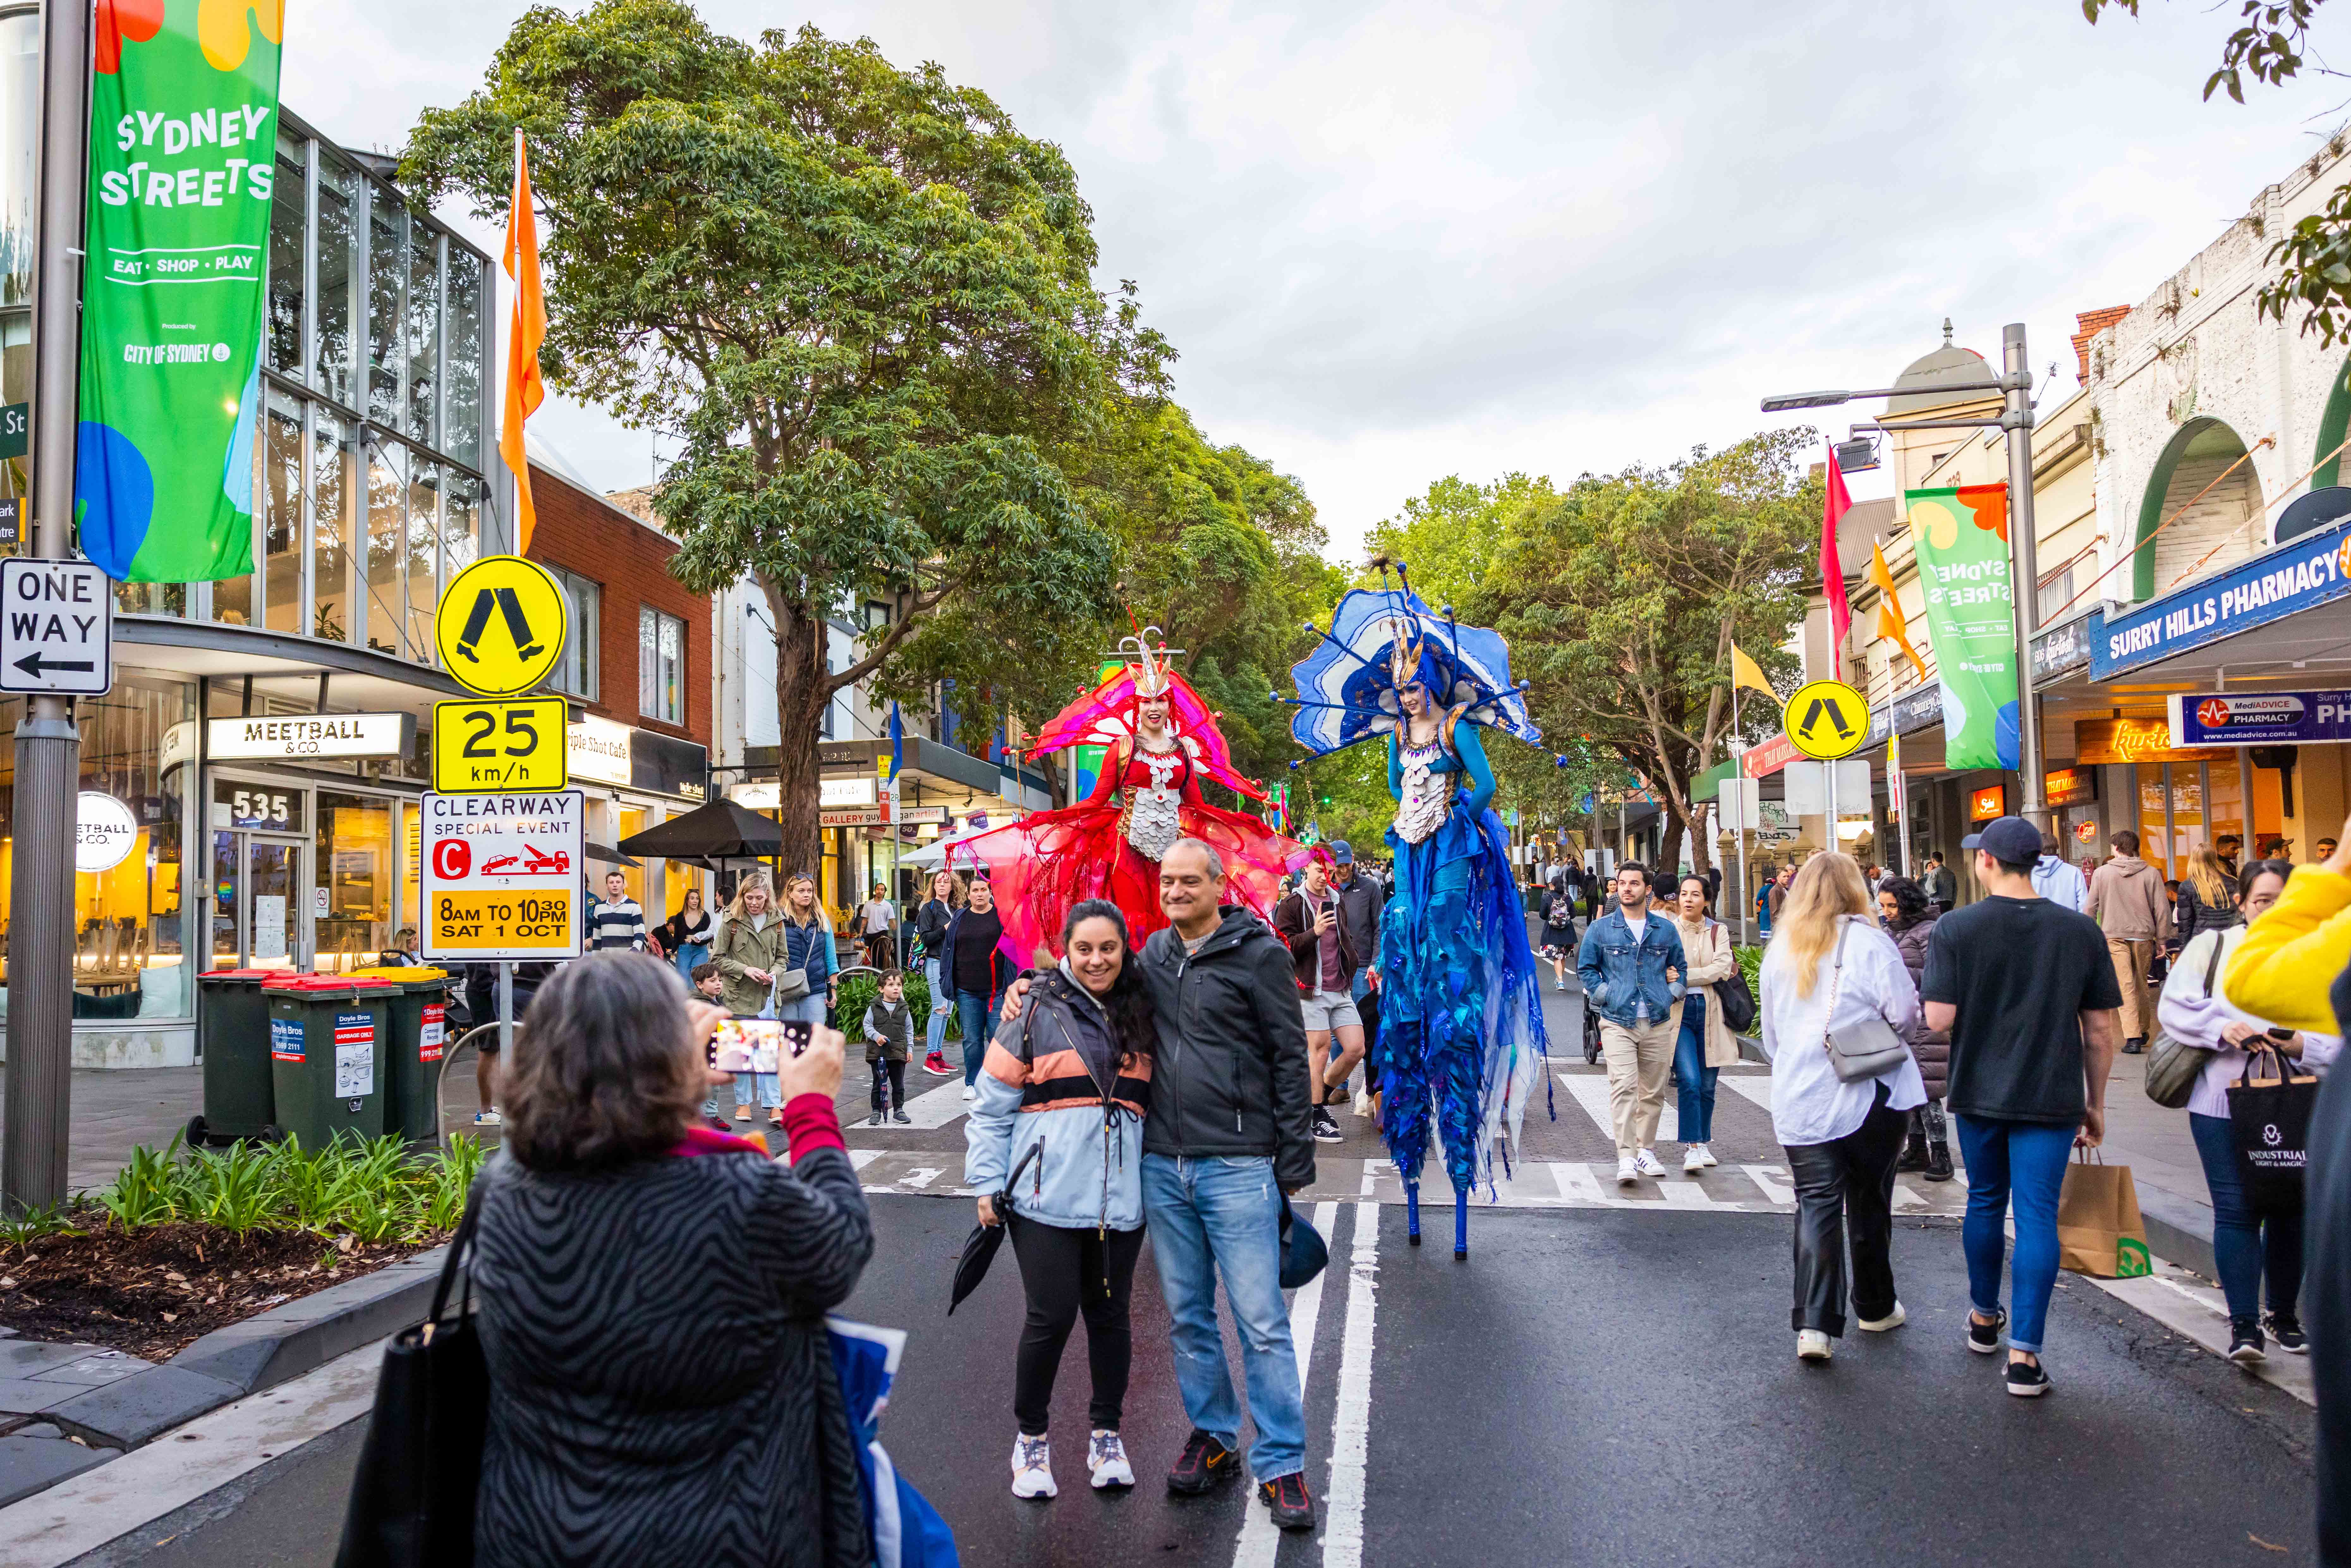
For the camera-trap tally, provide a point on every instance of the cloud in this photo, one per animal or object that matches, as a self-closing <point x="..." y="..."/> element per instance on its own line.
<point x="1394" y="242"/>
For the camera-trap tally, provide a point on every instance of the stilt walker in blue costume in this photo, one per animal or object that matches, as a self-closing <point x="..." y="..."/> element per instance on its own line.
<point x="1461" y="1030"/>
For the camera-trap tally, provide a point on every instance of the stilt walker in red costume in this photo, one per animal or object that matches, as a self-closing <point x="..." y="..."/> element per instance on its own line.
<point x="1162" y="741"/>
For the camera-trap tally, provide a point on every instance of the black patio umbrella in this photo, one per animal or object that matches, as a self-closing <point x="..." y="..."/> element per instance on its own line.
<point x="604" y="853"/>
<point x="720" y="830"/>
<point x="979" y="1247"/>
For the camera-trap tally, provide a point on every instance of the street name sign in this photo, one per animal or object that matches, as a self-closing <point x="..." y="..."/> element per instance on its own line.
<point x="501" y="626"/>
<point x="500" y="745"/>
<point x="1826" y="720"/>
<point x="501" y="875"/>
<point x="57" y="628"/>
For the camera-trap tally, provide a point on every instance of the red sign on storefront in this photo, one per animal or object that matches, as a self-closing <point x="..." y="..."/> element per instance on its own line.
<point x="1762" y="761"/>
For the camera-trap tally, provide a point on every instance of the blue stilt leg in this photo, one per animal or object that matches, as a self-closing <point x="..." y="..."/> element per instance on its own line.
<point x="1412" y="1212"/>
<point x="1460" y="1225"/>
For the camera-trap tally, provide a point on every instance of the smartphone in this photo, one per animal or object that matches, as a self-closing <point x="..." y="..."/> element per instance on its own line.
<point x="786" y="1037"/>
<point x="797" y="1035"/>
<point x="2281" y="1034"/>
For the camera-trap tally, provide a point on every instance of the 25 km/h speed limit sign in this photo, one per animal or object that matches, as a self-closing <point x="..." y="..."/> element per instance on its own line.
<point x="500" y="875"/>
<point x="501" y="746"/>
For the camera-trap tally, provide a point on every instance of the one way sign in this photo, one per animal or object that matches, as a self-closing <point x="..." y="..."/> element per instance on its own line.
<point x="57" y="628"/>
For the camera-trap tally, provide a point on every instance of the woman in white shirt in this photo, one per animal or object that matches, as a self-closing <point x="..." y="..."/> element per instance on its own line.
<point x="1830" y="966"/>
<point x="2252" y="1247"/>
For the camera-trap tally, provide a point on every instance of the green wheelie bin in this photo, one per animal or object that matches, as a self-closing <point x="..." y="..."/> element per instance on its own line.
<point x="326" y="1054"/>
<point x="414" y="1042"/>
<point x="240" y="1100"/>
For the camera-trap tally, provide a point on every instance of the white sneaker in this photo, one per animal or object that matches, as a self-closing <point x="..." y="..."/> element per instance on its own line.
<point x="1694" y="1159"/>
<point x="1812" y="1345"/>
<point x="1708" y="1150"/>
<point x="1106" y="1461"/>
<point x="970" y="1092"/>
<point x="1893" y="1319"/>
<point x="1032" y="1466"/>
<point x="1625" y="1175"/>
<point x="488" y="1119"/>
<point x="1646" y="1163"/>
<point x="1363" y="1104"/>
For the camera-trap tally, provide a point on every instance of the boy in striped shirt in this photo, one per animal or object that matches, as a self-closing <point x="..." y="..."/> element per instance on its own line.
<point x="619" y="921"/>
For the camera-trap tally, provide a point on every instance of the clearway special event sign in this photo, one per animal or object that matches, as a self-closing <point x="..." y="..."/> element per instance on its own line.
<point x="501" y="875"/>
<point x="183" y="159"/>
<point x="2258" y="718"/>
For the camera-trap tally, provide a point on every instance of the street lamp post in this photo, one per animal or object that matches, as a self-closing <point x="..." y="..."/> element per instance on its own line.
<point x="2016" y="383"/>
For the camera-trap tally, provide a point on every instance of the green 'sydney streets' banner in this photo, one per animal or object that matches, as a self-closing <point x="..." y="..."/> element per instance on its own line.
<point x="1961" y="539"/>
<point x="182" y="145"/>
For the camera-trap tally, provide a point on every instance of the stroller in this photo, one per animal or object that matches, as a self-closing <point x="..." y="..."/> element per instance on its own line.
<point x="1591" y="1033"/>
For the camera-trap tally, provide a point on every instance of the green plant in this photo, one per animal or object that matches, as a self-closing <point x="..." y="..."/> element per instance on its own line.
<point x="1750" y="966"/>
<point x="144" y="1192"/>
<point x="19" y="1227"/>
<point x="235" y="1189"/>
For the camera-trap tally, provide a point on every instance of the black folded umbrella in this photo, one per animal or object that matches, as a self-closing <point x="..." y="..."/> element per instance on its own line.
<point x="979" y="1247"/>
<point x="1304" y="1253"/>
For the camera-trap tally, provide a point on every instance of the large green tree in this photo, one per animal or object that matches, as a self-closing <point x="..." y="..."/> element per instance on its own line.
<point x="1622" y="598"/>
<point x="861" y="302"/>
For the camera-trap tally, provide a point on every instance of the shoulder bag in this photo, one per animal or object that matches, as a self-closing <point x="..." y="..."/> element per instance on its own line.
<point x="1868" y="1048"/>
<point x="420" y="1466"/>
<point x="2173" y="1065"/>
<point x="2269" y="1115"/>
<point x="790" y="985"/>
<point x="1734" y="996"/>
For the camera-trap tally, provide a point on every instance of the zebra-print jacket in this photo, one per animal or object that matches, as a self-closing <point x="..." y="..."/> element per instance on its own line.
<point x="661" y="1390"/>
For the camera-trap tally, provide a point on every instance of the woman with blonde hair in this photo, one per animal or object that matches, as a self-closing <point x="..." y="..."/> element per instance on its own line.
<point x="1830" y="969"/>
<point x="2207" y="897"/>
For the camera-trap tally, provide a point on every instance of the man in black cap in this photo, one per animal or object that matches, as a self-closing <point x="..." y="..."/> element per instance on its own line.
<point x="2025" y="990"/>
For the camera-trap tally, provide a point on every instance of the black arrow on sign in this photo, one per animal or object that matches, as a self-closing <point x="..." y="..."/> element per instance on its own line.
<point x="34" y="664"/>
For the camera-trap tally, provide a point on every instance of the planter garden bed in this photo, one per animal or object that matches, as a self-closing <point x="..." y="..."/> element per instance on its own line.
<point x="177" y="1248"/>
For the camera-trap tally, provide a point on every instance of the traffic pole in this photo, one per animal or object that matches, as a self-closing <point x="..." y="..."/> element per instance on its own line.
<point x="33" y="1142"/>
<point x="2024" y="573"/>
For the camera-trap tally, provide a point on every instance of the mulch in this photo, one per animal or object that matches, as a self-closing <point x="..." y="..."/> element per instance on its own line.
<point x="151" y="1292"/>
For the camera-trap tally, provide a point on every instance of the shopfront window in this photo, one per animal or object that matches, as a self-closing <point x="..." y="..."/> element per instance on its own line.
<point x="287" y="201"/>
<point x="387" y="550"/>
<point x="462" y="429"/>
<point x="630" y="821"/>
<point x="2225" y="795"/>
<point x="2154" y="827"/>
<point x="282" y="465"/>
<point x="661" y="665"/>
<point x="339" y="271"/>
<point x="352" y="901"/>
<point x="334" y="583"/>
<point x="129" y="950"/>
<point x="575" y="671"/>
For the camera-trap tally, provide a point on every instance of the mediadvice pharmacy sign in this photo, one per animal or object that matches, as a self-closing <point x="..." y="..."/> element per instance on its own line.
<point x="2312" y="570"/>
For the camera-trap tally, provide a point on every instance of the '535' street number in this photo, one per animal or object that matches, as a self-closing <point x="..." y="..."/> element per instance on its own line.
<point x="494" y="747"/>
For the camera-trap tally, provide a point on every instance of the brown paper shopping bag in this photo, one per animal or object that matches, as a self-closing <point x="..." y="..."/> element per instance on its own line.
<point x="2099" y="1226"/>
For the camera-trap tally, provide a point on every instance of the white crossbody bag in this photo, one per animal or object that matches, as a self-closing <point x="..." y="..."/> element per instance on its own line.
<point x="1868" y="1048"/>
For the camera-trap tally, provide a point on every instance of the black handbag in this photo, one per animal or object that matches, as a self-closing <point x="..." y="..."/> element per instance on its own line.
<point x="419" y="1467"/>
<point x="2270" y="1117"/>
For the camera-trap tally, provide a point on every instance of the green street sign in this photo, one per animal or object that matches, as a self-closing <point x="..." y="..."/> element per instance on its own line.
<point x="14" y="420"/>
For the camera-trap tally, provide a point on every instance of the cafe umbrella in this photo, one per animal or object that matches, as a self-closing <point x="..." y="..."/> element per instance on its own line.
<point x="979" y="1247"/>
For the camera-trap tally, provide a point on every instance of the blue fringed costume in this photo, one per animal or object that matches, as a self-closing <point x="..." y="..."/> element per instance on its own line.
<point x="1461" y="1030"/>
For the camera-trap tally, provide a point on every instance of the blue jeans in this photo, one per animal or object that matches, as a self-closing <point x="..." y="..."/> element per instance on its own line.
<point x="1211" y="1218"/>
<point x="1693" y="1078"/>
<point x="934" y="1033"/>
<point x="2025" y="1160"/>
<point x="977" y="1014"/>
<point x="2247" y="1246"/>
<point x="687" y="956"/>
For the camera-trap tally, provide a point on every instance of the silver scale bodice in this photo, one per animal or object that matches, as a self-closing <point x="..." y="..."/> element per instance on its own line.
<point x="1427" y="797"/>
<point x="1152" y="825"/>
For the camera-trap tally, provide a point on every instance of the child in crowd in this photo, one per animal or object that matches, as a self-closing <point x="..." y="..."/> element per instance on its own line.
<point x="888" y="1031"/>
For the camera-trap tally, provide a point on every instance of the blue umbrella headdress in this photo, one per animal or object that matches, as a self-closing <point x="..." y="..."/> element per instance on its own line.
<point x="1386" y="638"/>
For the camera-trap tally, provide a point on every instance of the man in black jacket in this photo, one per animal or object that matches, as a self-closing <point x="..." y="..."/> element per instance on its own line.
<point x="1227" y="1137"/>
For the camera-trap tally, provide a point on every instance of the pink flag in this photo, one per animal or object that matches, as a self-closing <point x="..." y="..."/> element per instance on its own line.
<point x="1832" y="568"/>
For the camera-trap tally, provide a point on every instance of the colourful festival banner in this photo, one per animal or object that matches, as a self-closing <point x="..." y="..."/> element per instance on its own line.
<point x="1961" y="539"/>
<point x="182" y="157"/>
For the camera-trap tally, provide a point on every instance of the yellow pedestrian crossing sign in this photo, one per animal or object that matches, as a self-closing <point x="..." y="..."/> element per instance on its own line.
<point x="1826" y="720"/>
<point x="501" y="625"/>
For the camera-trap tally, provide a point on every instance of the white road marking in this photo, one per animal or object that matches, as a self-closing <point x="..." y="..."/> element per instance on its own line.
<point x="80" y="1515"/>
<point x="1343" y="1512"/>
<point x="1756" y="1087"/>
<point x="934" y="1108"/>
<point x="1774" y="1180"/>
<point x="1259" y="1539"/>
<point x="861" y="1158"/>
<point x="922" y="1176"/>
<point x="1687" y="1194"/>
<point x="1591" y="1092"/>
<point x="1576" y="1183"/>
<point x="1906" y="1196"/>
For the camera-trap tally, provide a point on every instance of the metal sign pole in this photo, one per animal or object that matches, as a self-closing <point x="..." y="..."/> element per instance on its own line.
<point x="2024" y="577"/>
<point x="39" y="1112"/>
<point x="506" y="1006"/>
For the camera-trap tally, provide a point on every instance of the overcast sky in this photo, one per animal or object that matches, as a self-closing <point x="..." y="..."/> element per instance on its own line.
<point x="1394" y="242"/>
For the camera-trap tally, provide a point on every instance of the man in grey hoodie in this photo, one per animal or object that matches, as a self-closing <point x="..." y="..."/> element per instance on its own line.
<point x="2127" y="902"/>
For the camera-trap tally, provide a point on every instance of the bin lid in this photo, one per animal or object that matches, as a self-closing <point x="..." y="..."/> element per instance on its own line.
<point x="411" y="974"/>
<point x="327" y="983"/>
<point x="245" y="974"/>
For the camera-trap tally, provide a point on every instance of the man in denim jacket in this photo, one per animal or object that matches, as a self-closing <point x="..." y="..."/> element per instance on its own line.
<point x="1631" y="964"/>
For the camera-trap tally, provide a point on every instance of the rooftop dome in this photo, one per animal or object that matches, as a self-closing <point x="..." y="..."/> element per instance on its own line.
<point x="1928" y="371"/>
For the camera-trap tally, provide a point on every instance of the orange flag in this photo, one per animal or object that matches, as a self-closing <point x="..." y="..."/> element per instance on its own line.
<point x="1891" y="622"/>
<point x="525" y="331"/>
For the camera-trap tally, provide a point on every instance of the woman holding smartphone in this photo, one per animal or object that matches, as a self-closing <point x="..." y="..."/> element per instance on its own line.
<point x="1068" y="1077"/>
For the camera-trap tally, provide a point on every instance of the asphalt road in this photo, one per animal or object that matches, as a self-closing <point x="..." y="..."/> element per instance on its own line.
<point x="1595" y="1386"/>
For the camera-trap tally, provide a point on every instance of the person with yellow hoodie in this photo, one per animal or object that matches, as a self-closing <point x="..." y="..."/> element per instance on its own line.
<point x="2294" y="968"/>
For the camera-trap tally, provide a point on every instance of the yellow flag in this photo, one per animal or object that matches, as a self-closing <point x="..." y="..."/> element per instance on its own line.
<point x="1745" y="672"/>
<point x="1891" y="623"/>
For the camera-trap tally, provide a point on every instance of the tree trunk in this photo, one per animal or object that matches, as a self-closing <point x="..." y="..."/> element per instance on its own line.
<point x="803" y="690"/>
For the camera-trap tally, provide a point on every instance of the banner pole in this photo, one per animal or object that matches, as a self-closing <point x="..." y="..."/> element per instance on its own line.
<point x="39" y="1114"/>
<point x="2025" y="581"/>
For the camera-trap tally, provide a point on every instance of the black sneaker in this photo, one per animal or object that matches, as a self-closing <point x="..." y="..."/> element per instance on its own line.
<point x="2026" y="1379"/>
<point x="2286" y="1329"/>
<point x="1204" y="1463"/>
<point x="2245" y="1343"/>
<point x="1286" y="1495"/>
<point x="1984" y="1338"/>
<point x="2134" y="1046"/>
<point x="1326" y="1127"/>
<point x="1938" y="1161"/>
